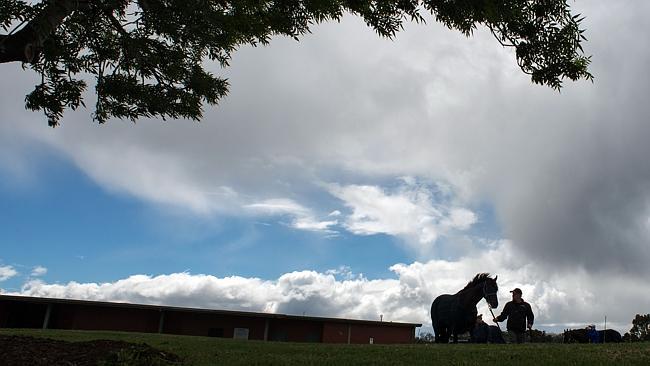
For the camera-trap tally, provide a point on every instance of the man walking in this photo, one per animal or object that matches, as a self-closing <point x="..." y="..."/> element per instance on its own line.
<point x="519" y="314"/>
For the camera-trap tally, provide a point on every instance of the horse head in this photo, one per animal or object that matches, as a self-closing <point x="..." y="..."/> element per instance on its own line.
<point x="490" y="289"/>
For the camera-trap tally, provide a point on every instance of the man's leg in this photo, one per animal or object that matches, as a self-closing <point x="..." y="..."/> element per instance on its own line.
<point x="521" y="337"/>
<point x="517" y="337"/>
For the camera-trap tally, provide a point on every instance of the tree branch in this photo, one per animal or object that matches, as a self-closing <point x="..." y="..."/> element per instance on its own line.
<point x="115" y="23"/>
<point x="25" y="45"/>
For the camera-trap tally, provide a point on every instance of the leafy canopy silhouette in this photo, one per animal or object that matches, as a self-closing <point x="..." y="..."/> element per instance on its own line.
<point x="148" y="57"/>
<point x="640" y="330"/>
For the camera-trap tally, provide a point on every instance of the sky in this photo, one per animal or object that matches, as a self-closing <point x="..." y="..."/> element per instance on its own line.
<point x="348" y="175"/>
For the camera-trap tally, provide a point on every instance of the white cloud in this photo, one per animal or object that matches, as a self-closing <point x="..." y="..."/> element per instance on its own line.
<point x="156" y="176"/>
<point x="278" y="206"/>
<point x="308" y="223"/>
<point x="38" y="271"/>
<point x="558" y="299"/>
<point x="302" y="217"/>
<point x="7" y="272"/>
<point x="409" y="212"/>
<point x="459" y="219"/>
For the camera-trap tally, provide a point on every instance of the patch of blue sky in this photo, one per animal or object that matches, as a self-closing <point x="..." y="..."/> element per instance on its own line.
<point x="78" y="230"/>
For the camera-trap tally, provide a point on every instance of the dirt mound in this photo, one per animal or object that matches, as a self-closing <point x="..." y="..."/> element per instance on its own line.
<point x="21" y="351"/>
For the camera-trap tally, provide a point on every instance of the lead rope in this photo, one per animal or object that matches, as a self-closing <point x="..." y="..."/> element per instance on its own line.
<point x="490" y="307"/>
<point x="491" y="312"/>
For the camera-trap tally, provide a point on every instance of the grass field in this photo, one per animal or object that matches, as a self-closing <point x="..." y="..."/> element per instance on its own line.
<point x="213" y="351"/>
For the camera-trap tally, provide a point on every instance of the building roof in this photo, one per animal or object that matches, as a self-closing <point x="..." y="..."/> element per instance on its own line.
<point x="47" y="300"/>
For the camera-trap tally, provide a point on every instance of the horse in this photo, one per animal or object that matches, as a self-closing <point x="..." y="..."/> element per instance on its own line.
<point x="610" y="336"/>
<point x="581" y="336"/>
<point x="452" y="315"/>
<point x="575" y="336"/>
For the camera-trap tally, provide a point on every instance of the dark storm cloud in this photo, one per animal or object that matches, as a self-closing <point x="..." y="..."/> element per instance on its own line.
<point x="583" y="199"/>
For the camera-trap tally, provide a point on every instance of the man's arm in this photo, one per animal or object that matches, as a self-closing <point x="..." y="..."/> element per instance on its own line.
<point x="529" y="315"/>
<point x="504" y="314"/>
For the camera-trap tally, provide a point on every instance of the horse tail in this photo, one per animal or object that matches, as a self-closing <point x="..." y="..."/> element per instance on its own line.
<point x="434" y="313"/>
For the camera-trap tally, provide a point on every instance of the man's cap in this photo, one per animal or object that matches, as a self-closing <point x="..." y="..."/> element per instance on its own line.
<point x="517" y="291"/>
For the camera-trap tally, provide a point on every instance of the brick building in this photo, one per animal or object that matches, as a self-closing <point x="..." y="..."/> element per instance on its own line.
<point x="34" y="312"/>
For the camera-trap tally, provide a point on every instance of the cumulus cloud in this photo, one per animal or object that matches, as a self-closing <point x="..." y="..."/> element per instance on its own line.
<point x="409" y="212"/>
<point x="412" y="211"/>
<point x="7" y="272"/>
<point x="558" y="300"/>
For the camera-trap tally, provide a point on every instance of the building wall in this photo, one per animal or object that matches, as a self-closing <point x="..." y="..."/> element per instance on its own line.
<point x="335" y="333"/>
<point x="84" y="317"/>
<point x="361" y="334"/>
<point x="4" y="314"/>
<point x="26" y="314"/>
<point x="22" y="315"/>
<point x="293" y="330"/>
<point x="205" y="324"/>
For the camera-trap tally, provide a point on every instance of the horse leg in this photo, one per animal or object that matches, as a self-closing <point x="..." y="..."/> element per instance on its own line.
<point x="440" y="335"/>
<point x="444" y="337"/>
<point x="454" y="333"/>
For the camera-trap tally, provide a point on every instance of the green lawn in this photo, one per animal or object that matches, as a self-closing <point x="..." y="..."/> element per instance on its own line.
<point x="214" y="351"/>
